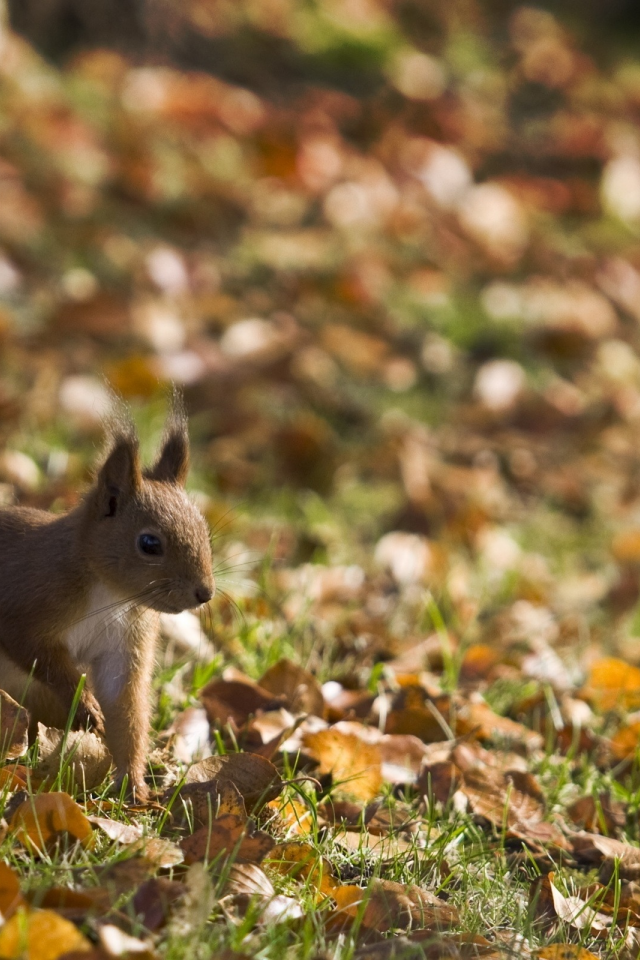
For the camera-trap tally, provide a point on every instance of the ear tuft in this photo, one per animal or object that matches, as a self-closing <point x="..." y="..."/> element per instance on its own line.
<point x="172" y="465"/>
<point x="119" y="477"/>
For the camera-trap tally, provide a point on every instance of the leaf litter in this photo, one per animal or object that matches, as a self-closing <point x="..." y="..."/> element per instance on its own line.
<point x="402" y="300"/>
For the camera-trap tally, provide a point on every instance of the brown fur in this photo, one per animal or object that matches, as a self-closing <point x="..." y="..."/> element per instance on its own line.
<point x="77" y="594"/>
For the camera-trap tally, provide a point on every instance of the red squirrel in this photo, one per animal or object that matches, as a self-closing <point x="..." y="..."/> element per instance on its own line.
<point x="82" y="592"/>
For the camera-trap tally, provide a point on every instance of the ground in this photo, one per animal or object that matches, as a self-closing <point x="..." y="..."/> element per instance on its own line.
<point x="394" y="264"/>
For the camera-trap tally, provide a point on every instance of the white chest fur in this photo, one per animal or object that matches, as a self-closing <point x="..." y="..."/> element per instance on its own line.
<point x="103" y="626"/>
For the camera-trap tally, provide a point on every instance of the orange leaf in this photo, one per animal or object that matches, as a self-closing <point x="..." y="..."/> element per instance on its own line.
<point x="302" y="862"/>
<point x="565" y="951"/>
<point x="613" y="684"/>
<point x="40" y="820"/>
<point x="10" y="896"/>
<point x="353" y="763"/>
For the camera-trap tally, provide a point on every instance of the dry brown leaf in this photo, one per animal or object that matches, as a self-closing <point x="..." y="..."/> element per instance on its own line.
<point x="10" y="897"/>
<point x="208" y="800"/>
<point x="153" y="901"/>
<point x="190" y="735"/>
<point x="115" y="830"/>
<point x="387" y="848"/>
<point x="402" y="757"/>
<point x="427" y="945"/>
<point x="235" y="701"/>
<point x="81" y="754"/>
<point x="41" y="820"/>
<point x="418" y="722"/>
<point x="613" y="685"/>
<point x="157" y="852"/>
<point x="480" y="720"/>
<point x="301" y="691"/>
<point x="229" y="836"/>
<point x="440" y="780"/>
<point x="572" y="910"/>
<point x="41" y="935"/>
<point x="605" y="851"/>
<point x="75" y="905"/>
<point x="116" y="943"/>
<point x="511" y="801"/>
<point x="390" y="905"/>
<point x="124" y="876"/>
<point x="601" y="814"/>
<point x="14" y="728"/>
<point x="247" y="885"/>
<point x="256" y="778"/>
<point x="354" y="764"/>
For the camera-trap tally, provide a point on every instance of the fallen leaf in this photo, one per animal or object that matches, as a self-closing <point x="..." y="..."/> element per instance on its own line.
<point x="625" y="741"/>
<point x="302" y="862"/>
<point x="235" y="701"/>
<point x="479" y="719"/>
<point x="79" y="756"/>
<point x="511" y="802"/>
<point x="191" y="912"/>
<point x="301" y="691"/>
<point x="203" y="802"/>
<point x="41" y="935"/>
<point x="389" y="905"/>
<point x="612" y="685"/>
<point x="354" y="765"/>
<point x="158" y="852"/>
<point x="117" y="943"/>
<point x="228" y="836"/>
<point x="255" y="777"/>
<point x="248" y="885"/>
<point x="190" y="730"/>
<point x="295" y="816"/>
<point x="116" y="830"/>
<point x="14" y="778"/>
<point x="601" y="814"/>
<point x="14" y="728"/>
<point x="153" y="900"/>
<point x="551" y="903"/>
<point x="41" y="820"/>
<point x="73" y="904"/>
<point x="606" y="852"/>
<point x="10" y="897"/>
<point x="565" y="951"/>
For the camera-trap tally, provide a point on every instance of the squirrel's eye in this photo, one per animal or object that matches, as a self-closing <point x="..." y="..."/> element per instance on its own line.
<point x="150" y="545"/>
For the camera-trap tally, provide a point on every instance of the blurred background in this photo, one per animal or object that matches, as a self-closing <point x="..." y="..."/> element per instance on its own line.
<point x="390" y="249"/>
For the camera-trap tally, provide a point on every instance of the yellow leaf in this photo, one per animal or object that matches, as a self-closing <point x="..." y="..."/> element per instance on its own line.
<point x="39" y="935"/>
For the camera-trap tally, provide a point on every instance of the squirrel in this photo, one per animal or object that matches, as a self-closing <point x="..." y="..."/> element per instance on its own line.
<point x="82" y="593"/>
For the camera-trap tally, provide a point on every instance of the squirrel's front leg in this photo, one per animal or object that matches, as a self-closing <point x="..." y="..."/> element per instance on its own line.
<point x="122" y="683"/>
<point x="49" y="662"/>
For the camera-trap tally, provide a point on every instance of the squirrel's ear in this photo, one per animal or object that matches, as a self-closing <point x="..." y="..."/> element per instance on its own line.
<point x="172" y="466"/>
<point x="120" y="475"/>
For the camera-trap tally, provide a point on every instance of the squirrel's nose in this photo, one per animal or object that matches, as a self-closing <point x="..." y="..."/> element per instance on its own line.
<point x="203" y="594"/>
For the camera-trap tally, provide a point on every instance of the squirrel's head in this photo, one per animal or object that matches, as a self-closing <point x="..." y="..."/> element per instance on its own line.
<point x="146" y="538"/>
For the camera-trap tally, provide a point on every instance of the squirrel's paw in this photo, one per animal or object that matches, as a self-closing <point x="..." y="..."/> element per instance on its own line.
<point x="89" y="714"/>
